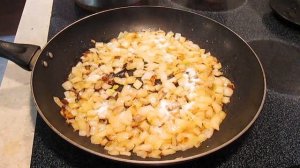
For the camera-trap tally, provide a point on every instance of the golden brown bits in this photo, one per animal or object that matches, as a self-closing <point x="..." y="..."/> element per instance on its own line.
<point x="231" y="85"/>
<point x="105" y="78"/>
<point x="64" y="101"/>
<point x="85" y="54"/>
<point x="110" y="82"/>
<point x="66" y="114"/>
<point x="153" y="79"/>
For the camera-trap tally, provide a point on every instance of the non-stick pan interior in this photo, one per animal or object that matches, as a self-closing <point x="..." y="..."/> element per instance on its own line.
<point x="239" y="64"/>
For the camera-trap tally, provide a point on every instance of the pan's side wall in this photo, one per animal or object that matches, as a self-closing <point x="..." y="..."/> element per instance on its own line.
<point x="238" y="60"/>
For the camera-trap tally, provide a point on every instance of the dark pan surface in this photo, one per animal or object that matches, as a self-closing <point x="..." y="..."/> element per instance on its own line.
<point x="240" y="65"/>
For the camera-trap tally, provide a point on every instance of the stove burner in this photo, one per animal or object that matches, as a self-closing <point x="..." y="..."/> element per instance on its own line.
<point x="210" y="5"/>
<point x="288" y="10"/>
<point x="100" y="5"/>
<point x="281" y="63"/>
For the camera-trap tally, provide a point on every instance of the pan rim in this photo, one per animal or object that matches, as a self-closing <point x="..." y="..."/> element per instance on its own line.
<point x="154" y="162"/>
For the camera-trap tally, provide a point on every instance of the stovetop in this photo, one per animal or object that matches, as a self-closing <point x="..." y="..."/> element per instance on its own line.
<point x="274" y="138"/>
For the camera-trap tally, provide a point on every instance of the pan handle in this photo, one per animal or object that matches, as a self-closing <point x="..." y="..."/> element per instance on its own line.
<point x="21" y="54"/>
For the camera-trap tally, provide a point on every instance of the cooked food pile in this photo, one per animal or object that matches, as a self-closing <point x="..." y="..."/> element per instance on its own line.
<point x="150" y="93"/>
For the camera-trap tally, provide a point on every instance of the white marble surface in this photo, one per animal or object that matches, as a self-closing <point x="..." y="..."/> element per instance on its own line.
<point x="17" y="111"/>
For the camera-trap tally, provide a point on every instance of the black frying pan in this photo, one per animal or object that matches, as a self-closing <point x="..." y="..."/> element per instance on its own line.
<point x="54" y="62"/>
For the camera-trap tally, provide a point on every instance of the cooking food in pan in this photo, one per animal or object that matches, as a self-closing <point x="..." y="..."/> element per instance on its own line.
<point x="150" y="92"/>
<point x="52" y="65"/>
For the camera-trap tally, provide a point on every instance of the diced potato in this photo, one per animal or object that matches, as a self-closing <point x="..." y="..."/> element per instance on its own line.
<point x="67" y="85"/>
<point x="150" y="93"/>
<point x="228" y="91"/>
<point x="137" y="84"/>
<point x="96" y="139"/>
<point x="216" y="107"/>
<point x="121" y="81"/>
<point x="147" y="75"/>
<point x="168" y="152"/>
<point x="125" y="117"/>
<point x="130" y="80"/>
<point x="138" y="73"/>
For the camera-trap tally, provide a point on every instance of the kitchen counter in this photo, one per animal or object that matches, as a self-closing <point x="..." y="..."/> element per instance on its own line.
<point x="18" y="114"/>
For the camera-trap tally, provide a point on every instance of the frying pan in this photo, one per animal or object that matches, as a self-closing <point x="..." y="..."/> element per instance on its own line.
<point x="51" y="66"/>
